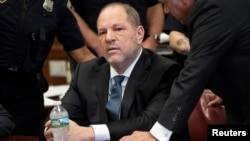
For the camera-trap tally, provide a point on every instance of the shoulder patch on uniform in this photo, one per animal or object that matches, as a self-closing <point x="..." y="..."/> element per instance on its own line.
<point x="3" y="1"/>
<point x="70" y="6"/>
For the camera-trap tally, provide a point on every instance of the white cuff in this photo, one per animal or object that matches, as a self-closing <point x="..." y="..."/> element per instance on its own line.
<point x="160" y="132"/>
<point x="101" y="132"/>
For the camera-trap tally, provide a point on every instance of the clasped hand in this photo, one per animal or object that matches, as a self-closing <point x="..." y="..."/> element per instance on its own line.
<point x="76" y="132"/>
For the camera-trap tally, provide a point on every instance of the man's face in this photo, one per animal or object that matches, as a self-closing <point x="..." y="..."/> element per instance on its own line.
<point x="118" y="37"/>
<point x="179" y="9"/>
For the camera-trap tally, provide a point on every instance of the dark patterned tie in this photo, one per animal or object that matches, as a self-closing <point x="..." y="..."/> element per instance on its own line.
<point x="113" y="105"/>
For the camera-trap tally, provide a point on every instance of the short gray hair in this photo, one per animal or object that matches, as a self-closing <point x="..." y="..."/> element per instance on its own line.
<point x="133" y="16"/>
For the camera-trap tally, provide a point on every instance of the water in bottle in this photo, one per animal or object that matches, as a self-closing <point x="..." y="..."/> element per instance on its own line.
<point x="59" y="122"/>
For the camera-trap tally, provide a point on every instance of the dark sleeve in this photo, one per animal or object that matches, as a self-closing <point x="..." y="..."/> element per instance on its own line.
<point x="89" y="10"/>
<point x="210" y="33"/>
<point x="6" y="123"/>
<point x="69" y="33"/>
<point x="171" y="23"/>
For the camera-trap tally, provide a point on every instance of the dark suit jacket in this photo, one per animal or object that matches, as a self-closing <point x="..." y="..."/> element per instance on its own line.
<point x="6" y="123"/>
<point x="219" y="59"/>
<point x="146" y="91"/>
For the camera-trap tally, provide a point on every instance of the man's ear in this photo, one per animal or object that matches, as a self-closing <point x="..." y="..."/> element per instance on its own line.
<point x="140" y="34"/>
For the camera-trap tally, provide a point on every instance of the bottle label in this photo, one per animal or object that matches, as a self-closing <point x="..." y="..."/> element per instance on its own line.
<point x="60" y="122"/>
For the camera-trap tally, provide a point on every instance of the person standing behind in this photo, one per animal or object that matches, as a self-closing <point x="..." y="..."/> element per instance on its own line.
<point x="219" y="58"/>
<point x="150" y="11"/>
<point x="147" y="82"/>
<point x="27" y="30"/>
<point x="179" y="42"/>
<point x="6" y="123"/>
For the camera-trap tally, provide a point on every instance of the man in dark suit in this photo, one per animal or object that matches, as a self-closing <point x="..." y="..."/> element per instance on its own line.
<point x="219" y="59"/>
<point x="6" y="123"/>
<point x="147" y="82"/>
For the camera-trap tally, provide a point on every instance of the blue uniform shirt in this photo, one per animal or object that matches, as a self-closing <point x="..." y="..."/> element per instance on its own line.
<point x="27" y="31"/>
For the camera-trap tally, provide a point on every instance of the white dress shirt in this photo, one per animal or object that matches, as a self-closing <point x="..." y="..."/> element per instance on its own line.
<point x="160" y="132"/>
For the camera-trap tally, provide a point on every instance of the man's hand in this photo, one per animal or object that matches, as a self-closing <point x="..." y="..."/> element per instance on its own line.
<point x="216" y="101"/>
<point x="48" y="132"/>
<point x="76" y="132"/>
<point x="139" y="136"/>
<point x="80" y="133"/>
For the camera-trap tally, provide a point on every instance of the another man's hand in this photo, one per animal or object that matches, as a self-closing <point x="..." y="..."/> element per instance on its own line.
<point x="139" y="136"/>
<point x="214" y="100"/>
<point x="150" y="43"/>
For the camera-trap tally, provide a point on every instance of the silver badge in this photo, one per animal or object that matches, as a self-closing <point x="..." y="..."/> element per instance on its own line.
<point x="48" y="5"/>
<point x="3" y="1"/>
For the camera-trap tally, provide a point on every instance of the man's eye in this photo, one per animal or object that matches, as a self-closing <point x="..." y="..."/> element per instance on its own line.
<point x="101" y="33"/>
<point x="118" y="29"/>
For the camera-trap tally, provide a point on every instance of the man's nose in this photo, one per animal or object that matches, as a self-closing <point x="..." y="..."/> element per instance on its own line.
<point x="110" y="36"/>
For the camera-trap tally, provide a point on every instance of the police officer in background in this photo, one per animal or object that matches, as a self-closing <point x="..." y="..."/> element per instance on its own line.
<point x="27" y="31"/>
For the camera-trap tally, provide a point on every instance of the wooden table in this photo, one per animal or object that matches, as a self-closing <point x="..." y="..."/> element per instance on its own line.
<point x="21" y="138"/>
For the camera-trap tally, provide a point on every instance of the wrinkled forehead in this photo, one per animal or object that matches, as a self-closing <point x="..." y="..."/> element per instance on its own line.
<point x="111" y="17"/>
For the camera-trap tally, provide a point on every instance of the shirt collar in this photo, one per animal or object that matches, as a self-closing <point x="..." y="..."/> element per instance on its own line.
<point x="128" y="71"/>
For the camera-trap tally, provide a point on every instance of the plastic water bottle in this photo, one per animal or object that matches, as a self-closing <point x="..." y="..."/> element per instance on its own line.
<point x="59" y="122"/>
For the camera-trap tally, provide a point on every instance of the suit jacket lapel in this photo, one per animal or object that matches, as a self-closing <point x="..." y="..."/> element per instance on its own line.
<point x="137" y="77"/>
<point x="101" y="81"/>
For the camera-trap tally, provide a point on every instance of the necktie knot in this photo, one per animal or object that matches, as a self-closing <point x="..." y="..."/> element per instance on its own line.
<point x="118" y="79"/>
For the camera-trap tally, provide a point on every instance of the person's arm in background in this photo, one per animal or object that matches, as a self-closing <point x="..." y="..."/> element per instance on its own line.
<point x="89" y="35"/>
<point x="179" y="42"/>
<point x="6" y="123"/>
<point x="81" y="55"/>
<point x="155" y="22"/>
